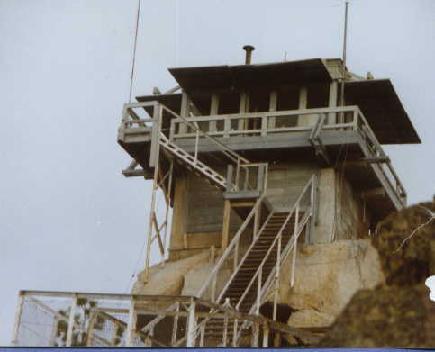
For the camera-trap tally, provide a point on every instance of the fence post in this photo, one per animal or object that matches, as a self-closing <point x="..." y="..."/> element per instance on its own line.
<point x="69" y="333"/>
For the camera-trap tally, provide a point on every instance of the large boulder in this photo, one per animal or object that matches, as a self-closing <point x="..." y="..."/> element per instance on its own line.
<point x="405" y="242"/>
<point x="400" y="313"/>
<point x="326" y="277"/>
<point x="389" y="316"/>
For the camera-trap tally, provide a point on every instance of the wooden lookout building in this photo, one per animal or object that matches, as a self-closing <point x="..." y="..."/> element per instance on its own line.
<point x="273" y="178"/>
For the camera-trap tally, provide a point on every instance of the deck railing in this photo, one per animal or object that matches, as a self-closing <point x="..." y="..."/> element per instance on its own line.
<point x="346" y="118"/>
<point x="78" y="319"/>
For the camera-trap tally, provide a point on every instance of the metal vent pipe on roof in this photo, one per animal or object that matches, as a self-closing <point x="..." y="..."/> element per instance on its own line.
<point x="249" y="49"/>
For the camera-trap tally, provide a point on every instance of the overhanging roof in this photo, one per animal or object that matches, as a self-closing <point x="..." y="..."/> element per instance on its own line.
<point x="383" y="109"/>
<point x="377" y="98"/>
<point x="246" y="76"/>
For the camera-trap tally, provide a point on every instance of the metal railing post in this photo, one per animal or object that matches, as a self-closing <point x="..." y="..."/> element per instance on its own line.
<point x="236" y="255"/>
<point x="213" y="288"/>
<point x="295" y="241"/>
<point x="278" y="257"/>
<point x="195" y="157"/>
<point x="259" y="279"/>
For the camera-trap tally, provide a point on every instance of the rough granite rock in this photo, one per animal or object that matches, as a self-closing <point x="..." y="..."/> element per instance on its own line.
<point x="326" y="277"/>
<point x="389" y="316"/>
<point x="409" y="262"/>
<point x="168" y="278"/>
<point x="399" y="314"/>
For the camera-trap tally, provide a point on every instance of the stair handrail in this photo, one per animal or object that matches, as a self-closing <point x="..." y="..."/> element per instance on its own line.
<point x="233" y="244"/>
<point x="292" y="240"/>
<point x="290" y="245"/>
<point x="225" y="150"/>
<point x="266" y="286"/>
<point x="234" y="273"/>
<point x="295" y="208"/>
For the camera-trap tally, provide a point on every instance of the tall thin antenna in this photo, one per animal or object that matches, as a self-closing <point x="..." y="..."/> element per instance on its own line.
<point x="134" y="49"/>
<point x="344" y="52"/>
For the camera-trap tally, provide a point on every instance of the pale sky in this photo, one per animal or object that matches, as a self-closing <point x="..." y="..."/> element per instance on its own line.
<point x="68" y="219"/>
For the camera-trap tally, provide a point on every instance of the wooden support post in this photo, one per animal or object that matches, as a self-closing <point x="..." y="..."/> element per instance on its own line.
<point x="244" y="107"/>
<point x="175" y="325"/>
<point x="277" y="339"/>
<point x="155" y="135"/>
<point x="273" y="99"/>
<point x="168" y="202"/>
<point x="152" y="211"/>
<point x="303" y="96"/>
<point x="91" y="330"/>
<point x="201" y="341"/>
<point x="265" y="334"/>
<point x="225" y="330"/>
<point x="254" y="336"/>
<point x="70" y="329"/>
<point x="214" y="110"/>
<point x="235" y="327"/>
<point x="226" y="224"/>
<point x="131" y="325"/>
<point x="191" y="325"/>
<point x="185" y="102"/>
<point x="333" y="98"/>
<point x="261" y="184"/>
<point x="17" y="322"/>
<point x="227" y="127"/>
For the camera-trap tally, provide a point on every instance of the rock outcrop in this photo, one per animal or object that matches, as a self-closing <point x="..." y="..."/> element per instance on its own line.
<point x="400" y="313"/>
